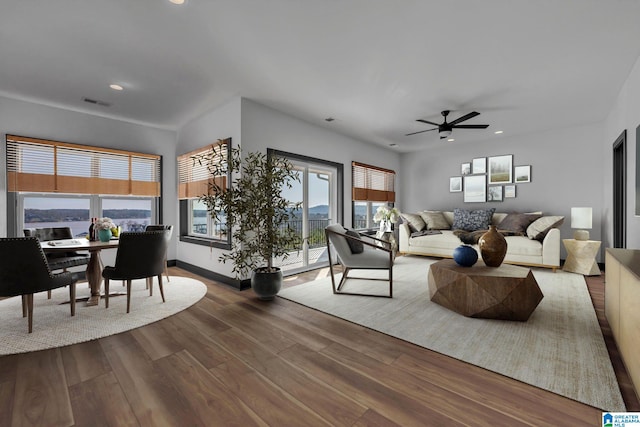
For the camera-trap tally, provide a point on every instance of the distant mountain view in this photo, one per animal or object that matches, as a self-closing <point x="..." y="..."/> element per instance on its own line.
<point x="66" y="215"/>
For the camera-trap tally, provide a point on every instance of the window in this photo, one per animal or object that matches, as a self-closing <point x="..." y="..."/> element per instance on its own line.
<point x="76" y="211"/>
<point x="57" y="184"/>
<point x="194" y="180"/>
<point x="372" y="187"/>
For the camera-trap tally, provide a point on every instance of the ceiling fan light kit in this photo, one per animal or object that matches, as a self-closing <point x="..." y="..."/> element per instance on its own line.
<point x="445" y="133"/>
<point x="446" y="129"/>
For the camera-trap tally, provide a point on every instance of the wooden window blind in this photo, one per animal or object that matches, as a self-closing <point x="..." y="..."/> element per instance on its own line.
<point x="373" y="184"/>
<point x="194" y="178"/>
<point x="37" y="165"/>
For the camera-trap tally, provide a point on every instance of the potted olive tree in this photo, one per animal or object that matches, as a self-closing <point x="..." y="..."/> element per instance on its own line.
<point x="255" y="212"/>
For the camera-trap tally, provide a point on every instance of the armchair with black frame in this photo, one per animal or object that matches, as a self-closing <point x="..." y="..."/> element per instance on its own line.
<point x="357" y="252"/>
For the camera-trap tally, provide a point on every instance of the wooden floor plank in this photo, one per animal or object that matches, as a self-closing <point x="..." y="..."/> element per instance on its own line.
<point x="388" y="402"/>
<point x="155" y="340"/>
<point x="338" y="408"/>
<point x="373" y="419"/>
<point x="151" y="395"/>
<point x="84" y="361"/>
<point x="333" y="328"/>
<point x="100" y="401"/>
<point x="41" y="392"/>
<point x="275" y="406"/>
<point x="211" y="402"/>
<point x="464" y="410"/>
<point x="498" y="391"/>
<point x="262" y="332"/>
<point x="191" y="334"/>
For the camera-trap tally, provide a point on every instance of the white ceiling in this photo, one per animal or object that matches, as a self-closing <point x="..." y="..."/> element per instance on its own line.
<point x="374" y="65"/>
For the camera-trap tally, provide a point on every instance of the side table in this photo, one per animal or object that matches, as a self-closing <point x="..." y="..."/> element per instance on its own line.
<point x="581" y="256"/>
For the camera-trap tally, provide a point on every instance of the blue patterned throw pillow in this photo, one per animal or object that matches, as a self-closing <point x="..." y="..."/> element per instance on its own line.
<point x="472" y="220"/>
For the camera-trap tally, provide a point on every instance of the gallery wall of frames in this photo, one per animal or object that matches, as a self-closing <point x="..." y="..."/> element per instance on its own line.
<point x="489" y="179"/>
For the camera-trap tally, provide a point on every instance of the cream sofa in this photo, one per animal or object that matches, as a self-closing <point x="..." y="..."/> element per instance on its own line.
<point x="520" y="249"/>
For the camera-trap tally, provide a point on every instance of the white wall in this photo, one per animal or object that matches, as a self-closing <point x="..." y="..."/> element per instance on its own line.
<point x="566" y="171"/>
<point x="625" y="114"/>
<point x="39" y="121"/>
<point x="256" y="127"/>
<point x="220" y="123"/>
<point x="264" y="127"/>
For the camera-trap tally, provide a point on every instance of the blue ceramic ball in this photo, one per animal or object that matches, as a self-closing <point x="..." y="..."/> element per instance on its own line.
<point x="465" y="256"/>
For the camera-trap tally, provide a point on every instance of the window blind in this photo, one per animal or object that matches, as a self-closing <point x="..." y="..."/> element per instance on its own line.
<point x="194" y="178"/>
<point x="372" y="184"/>
<point x="38" y="165"/>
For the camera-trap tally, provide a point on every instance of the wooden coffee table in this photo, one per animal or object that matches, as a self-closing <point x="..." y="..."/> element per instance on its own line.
<point x="507" y="292"/>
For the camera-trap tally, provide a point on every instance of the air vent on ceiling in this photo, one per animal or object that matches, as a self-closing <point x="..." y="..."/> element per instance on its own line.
<point x="96" y="102"/>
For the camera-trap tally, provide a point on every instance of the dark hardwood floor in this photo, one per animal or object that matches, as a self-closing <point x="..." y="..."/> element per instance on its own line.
<point x="234" y="360"/>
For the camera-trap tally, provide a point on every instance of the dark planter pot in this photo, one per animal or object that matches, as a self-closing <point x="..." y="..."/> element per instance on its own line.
<point x="266" y="285"/>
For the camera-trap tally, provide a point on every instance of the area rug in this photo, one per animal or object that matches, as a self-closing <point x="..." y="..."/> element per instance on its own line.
<point x="560" y="348"/>
<point x="53" y="325"/>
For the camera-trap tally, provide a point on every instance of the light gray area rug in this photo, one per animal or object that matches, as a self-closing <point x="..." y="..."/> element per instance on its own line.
<point x="53" y="325"/>
<point x="560" y="348"/>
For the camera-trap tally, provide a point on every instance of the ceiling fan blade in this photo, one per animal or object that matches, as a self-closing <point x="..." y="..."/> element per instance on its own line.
<point x="428" y="122"/>
<point x="470" y="126"/>
<point x="420" y="131"/>
<point x="465" y="117"/>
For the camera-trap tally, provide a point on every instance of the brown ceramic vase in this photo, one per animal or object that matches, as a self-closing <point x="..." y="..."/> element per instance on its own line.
<point x="493" y="247"/>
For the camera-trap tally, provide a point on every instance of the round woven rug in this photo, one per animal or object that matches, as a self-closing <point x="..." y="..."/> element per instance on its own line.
<point x="53" y="325"/>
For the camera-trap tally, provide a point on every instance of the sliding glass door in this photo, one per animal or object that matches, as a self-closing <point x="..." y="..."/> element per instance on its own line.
<point x="317" y="192"/>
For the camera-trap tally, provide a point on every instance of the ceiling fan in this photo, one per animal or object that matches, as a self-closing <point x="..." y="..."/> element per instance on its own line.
<point x="445" y="129"/>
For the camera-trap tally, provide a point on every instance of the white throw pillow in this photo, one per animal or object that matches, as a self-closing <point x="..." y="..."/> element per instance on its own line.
<point x="540" y="227"/>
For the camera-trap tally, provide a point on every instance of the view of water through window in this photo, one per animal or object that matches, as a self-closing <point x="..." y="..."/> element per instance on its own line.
<point x="43" y="212"/>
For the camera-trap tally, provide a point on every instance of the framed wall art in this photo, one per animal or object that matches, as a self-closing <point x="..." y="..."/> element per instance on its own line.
<point x="509" y="191"/>
<point x="494" y="194"/>
<point x="455" y="184"/>
<point x="475" y="188"/>
<point x="523" y="174"/>
<point x="479" y="165"/>
<point x="500" y="169"/>
<point x="465" y="169"/>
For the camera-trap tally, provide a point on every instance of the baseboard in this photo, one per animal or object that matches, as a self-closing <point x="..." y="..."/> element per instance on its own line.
<point x="241" y="285"/>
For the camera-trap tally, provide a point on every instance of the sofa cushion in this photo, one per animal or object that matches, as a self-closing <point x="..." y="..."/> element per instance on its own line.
<point x="517" y="222"/>
<point x="443" y="240"/>
<point x="472" y="220"/>
<point x="414" y="221"/>
<point x="356" y="246"/>
<point x="540" y="227"/>
<point x="435" y="220"/>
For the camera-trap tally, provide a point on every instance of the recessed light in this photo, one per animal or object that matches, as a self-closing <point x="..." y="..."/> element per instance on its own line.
<point x="177" y="1"/>
<point x="450" y="140"/>
<point x="116" y="87"/>
<point x="498" y="132"/>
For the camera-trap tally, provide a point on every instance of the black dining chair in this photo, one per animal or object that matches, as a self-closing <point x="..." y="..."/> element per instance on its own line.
<point x="140" y="256"/>
<point x="161" y="227"/>
<point x="58" y="260"/>
<point x="24" y="271"/>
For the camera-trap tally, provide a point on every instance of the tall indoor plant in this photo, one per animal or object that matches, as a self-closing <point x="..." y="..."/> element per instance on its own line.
<point x="255" y="212"/>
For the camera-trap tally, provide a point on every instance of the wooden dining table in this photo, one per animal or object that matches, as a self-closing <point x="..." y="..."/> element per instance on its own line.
<point x="94" y="267"/>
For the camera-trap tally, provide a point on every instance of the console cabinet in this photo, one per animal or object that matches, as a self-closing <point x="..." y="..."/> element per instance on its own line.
<point x="622" y="306"/>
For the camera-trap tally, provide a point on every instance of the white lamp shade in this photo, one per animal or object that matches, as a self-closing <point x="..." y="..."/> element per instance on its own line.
<point x="581" y="218"/>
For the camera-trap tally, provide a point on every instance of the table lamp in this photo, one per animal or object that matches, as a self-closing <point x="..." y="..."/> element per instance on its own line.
<point x="581" y="220"/>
